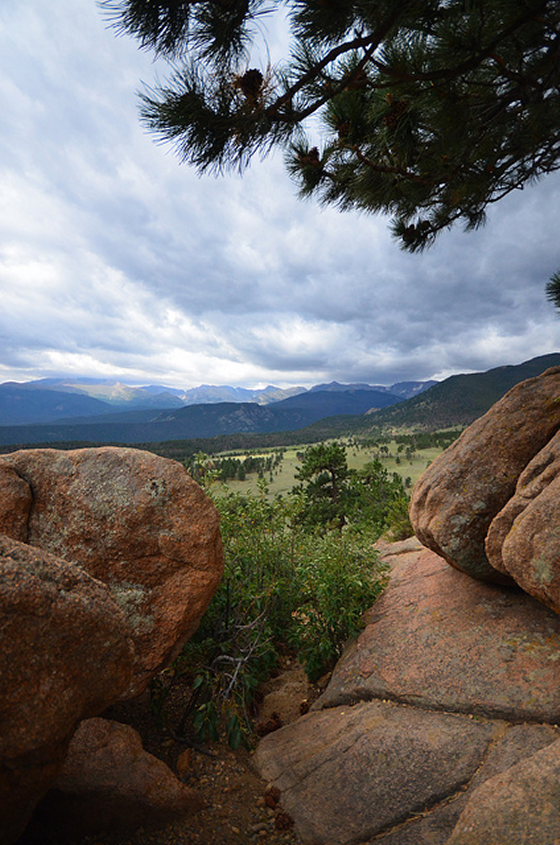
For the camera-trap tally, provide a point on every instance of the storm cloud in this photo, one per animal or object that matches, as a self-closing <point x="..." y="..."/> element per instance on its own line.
<point x="117" y="260"/>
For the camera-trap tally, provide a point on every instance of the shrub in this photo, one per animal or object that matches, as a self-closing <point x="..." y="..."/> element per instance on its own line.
<point x="398" y="519"/>
<point x="339" y="577"/>
<point x="285" y="589"/>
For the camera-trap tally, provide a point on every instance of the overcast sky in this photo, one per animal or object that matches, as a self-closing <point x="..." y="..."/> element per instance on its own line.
<point x="118" y="261"/>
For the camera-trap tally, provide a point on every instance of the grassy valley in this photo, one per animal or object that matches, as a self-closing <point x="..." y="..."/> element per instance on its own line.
<point x="283" y="479"/>
<point x="245" y="470"/>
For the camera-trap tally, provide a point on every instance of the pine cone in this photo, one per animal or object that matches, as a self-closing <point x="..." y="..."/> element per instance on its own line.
<point x="250" y="83"/>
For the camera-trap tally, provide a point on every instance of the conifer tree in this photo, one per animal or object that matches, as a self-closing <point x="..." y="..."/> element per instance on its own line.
<point x="430" y="110"/>
<point x="324" y="471"/>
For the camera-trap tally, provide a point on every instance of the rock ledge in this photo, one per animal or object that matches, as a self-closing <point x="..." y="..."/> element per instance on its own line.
<point x="453" y="683"/>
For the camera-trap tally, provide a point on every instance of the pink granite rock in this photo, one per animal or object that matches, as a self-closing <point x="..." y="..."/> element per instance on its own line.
<point x="347" y="773"/>
<point x="439" y="639"/>
<point x="520" y="806"/>
<point x="524" y="538"/>
<point x="434" y="827"/>
<point x="108" y="782"/>
<point x="17" y="497"/>
<point x="131" y="519"/>
<point x="452" y="683"/>
<point x="465" y="488"/>
<point x="65" y="654"/>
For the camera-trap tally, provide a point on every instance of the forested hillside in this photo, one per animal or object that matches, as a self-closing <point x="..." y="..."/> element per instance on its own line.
<point x="461" y="399"/>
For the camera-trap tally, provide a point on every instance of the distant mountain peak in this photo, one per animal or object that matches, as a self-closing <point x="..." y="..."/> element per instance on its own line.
<point x="403" y="389"/>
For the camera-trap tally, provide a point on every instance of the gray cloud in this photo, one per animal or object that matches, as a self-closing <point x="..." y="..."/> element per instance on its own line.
<point x="117" y="260"/>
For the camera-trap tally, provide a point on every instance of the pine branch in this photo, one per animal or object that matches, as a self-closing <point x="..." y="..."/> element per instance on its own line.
<point x="370" y="42"/>
<point x="466" y="66"/>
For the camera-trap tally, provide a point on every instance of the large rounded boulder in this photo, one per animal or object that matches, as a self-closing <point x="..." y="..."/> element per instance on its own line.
<point x="463" y="491"/>
<point x="131" y="519"/>
<point x="524" y="538"/>
<point x="65" y="654"/>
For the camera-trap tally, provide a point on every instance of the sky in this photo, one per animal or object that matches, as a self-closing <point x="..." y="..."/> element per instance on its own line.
<point x="118" y="261"/>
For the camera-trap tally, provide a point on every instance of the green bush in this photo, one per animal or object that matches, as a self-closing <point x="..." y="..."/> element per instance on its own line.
<point x="286" y="589"/>
<point x="339" y="576"/>
<point x="398" y="519"/>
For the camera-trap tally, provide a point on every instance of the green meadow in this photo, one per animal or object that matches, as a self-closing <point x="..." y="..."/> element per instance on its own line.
<point x="282" y="478"/>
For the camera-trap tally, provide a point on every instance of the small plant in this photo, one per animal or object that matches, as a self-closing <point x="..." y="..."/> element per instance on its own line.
<point x="398" y="519"/>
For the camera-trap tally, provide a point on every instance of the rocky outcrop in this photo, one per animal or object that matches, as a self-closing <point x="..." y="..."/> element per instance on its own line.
<point x="463" y="491"/>
<point x="109" y="783"/>
<point x="442" y="640"/>
<point x="16" y="499"/>
<point x="131" y="519"/>
<point x="520" y="806"/>
<point x="108" y="560"/>
<point x="452" y="683"/>
<point x="524" y="538"/>
<point x="65" y="654"/>
<point x="440" y="723"/>
<point x="350" y="772"/>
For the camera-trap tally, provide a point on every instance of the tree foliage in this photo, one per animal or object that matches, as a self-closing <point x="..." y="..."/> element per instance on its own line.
<point x="553" y="290"/>
<point x="324" y="491"/>
<point x="430" y="110"/>
<point x="333" y="496"/>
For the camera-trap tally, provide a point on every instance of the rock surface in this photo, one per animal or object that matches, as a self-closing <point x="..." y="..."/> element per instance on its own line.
<point x="520" y="806"/>
<point x="433" y="828"/>
<point x="108" y="782"/>
<point x="17" y="497"/>
<point x="524" y="538"/>
<point x="465" y="488"/>
<point x="440" y="639"/>
<point x="285" y="696"/>
<point x="348" y="773"/>
<point x="65" y="654"/>
<point x="421" y="711"/>
<point x="133" y="520"/>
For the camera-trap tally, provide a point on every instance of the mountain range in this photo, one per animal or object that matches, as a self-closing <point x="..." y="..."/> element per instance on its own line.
<point x="206" y="420"/>
<point x="48" y="415"/>
<point x="80" y="400"/>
